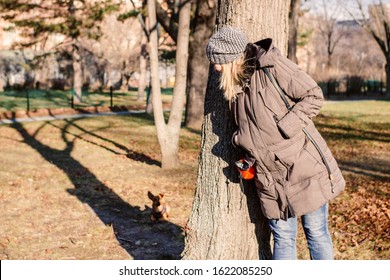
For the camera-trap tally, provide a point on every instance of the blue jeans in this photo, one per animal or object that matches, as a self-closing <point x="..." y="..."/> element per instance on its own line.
<point x="315" y="226"/>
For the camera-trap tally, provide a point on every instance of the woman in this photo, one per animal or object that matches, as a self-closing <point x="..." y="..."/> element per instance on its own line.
<point x="273" y="103"/>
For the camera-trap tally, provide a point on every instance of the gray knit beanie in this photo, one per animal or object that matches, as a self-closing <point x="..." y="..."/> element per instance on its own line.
<point x="226" y="45"/>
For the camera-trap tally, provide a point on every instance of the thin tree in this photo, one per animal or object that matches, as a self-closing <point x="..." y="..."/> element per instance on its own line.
<point x="226" y="220"/>
<point x="328" y="30"/>
<point x="293" y="18"/>
<point x="168" y="133"/>
<point x="143" y="64"/>
<point x="73" y="19"/>
<point x="331" y="35"/>
<point x="202" y="24"/>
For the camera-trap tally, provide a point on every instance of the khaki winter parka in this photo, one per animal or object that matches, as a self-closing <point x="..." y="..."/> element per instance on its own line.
<point x="295" y="171"/>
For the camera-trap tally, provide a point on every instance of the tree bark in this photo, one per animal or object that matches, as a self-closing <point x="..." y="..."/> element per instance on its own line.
<point x="226" y="220"/>
<point x="171" y="159"/>
<point x="168" y="134"/>
<point x="203" y="26"/>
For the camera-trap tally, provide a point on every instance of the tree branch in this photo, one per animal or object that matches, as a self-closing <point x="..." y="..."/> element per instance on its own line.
<point x="166" y="22"/>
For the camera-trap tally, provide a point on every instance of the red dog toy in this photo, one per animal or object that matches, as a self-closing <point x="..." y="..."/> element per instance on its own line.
<point x="247" y="171"/>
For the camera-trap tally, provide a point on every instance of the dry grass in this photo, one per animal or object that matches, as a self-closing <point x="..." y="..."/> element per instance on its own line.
<point x="77" y="189"/>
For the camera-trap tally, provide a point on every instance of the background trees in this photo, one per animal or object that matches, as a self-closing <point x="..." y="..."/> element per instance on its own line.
<point x="71" y="19"/>
<point x="333" y="48"/>
<point x="378" y="26"/>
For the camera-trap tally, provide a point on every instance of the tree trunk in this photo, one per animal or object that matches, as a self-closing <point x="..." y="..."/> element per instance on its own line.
<point x="149" y="99"/>
<point x="203" y="26"/>
<point x="143" y="65"/>
<point x="152" y="45"/>
<point x="124" y="78"/>
<point x="77" y="74"/>
<point x="168" y="134"/>
<point x="295" y="7"/>
<point x="226" y="220"/>
<point x="388" y="77"/>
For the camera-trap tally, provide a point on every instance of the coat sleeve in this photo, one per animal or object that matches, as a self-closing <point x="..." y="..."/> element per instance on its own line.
<point x="300" y="87"/>
<point x="247" y="155"/>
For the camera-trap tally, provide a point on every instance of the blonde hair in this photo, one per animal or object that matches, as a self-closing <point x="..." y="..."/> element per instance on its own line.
<point x="233" y="74"/>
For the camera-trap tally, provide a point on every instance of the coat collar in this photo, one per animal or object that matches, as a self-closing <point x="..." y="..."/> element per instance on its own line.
<point x="266" y="53"/>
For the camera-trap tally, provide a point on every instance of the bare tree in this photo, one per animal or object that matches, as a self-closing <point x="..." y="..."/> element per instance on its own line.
<point x="119" y="46"/>
<point x="331" y="37"/>
<point x="168" y="133"/>
<point x="359" y="55"/>
<point x="226" y="220"/>
<point x="328" y="30"/>
<point x="378" y="25"/>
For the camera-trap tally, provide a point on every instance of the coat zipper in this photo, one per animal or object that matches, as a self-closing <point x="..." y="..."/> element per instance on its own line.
<point x="322" y="156"/>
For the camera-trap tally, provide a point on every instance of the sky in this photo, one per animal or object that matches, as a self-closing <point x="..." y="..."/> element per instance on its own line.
<point x="339" y="9"/>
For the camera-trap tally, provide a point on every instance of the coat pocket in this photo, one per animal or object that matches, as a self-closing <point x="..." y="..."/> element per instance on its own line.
<point x="265" y="184"/>
<point x="290" y="125"/>
<point x="300" y="163"/>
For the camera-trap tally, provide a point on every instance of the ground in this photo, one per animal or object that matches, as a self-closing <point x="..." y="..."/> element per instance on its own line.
<point x="77" y="188"/>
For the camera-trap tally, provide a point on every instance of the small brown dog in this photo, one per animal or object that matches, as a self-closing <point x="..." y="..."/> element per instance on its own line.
<point x="160" y="209"/>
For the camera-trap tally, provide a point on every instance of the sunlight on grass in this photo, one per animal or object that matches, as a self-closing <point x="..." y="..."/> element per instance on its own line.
<point x="362" y="111"/>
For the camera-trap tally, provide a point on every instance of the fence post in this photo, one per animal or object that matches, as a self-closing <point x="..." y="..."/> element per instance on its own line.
<point x="28" y="100"/>
<point x="111" y="97"/>
<point x="148" y="93"/>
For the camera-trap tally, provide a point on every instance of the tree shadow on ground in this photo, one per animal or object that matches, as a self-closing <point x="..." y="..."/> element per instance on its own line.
<point x="376" y="170"/>
<point x="142" y="239"/>
<point x="128" y="152"/>
<point x="346" y="132"/>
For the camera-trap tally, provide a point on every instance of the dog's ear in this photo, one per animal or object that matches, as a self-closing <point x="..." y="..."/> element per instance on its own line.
<point x="161" y="195"/>
<point x="150" y="195"/>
